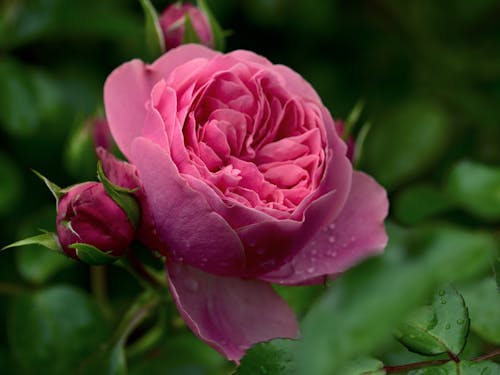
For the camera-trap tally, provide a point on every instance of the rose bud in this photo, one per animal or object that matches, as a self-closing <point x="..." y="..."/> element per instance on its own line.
<point x="173" y="24"/>
<point x="86" y="214"/>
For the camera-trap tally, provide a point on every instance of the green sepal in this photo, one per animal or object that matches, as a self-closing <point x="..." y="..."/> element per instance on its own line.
<point x="190" y="34"/>
<point x="48" y="240"/>
<point x="92" y="255"/>
<point x="219" y="35"/>
<point x="154" y="35"/>
<point x="360" y="142"/>
<point x="56" y="191"/>
<point x="123" y="197"/>
<point x="352" y="119"/>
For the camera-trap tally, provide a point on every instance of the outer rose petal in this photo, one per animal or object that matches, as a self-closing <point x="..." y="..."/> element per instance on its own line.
<point x="183" y="219"/>
<point x="355" y="234"/>
<point x="125" y="94"/>
<point x="230" y="314"/>
<point x="180" y="55"/>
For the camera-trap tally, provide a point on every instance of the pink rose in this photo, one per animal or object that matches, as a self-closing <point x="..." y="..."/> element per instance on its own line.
<point x="86" y="214"/>
<point x="173" y="25"/>
<point x="248" y="184"/>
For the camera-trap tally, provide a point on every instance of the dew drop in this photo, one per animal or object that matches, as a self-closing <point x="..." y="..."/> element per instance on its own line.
<point x="314" y="252"/>
<point x="310" y="270"/>
<point x="331" y="226"/>
<point x="442" y="293"/>
<point x="191" y="284"/>
<point x="460" y="321"/>
<point x="443" y="302"/>
<point x="263" y="370"/>
<point x="448" y="326"/>
<point x="331" y="239"/>
<point x="261" y="251"/>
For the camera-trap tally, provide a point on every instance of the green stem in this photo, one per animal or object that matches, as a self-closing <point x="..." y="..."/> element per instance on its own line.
<point x="139" y="310"/>
<point x="99" y="288"/>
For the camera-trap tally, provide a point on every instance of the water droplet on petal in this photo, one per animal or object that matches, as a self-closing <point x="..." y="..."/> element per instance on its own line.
<point x="191" y="284"/>
<point x="310" y="270"/>
<point x="331" y="226"/>
<point x="314" y="252"/>
<point x="331" y="239"/>
<point x="261" y="251"/>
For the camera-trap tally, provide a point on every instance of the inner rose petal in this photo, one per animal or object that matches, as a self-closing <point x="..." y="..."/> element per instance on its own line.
<point x="286" y="175"/>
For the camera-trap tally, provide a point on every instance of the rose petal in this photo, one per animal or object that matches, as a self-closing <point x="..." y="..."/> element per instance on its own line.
<point x="180" y="55"/>
<point x="184" y="221"/>
<point x="230" y="314"/>
<point x="357" y="233"/>
<point x="126" y="91"/>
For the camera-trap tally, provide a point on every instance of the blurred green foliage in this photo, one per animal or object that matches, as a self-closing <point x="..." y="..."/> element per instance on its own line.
<point x="429" y="73"/>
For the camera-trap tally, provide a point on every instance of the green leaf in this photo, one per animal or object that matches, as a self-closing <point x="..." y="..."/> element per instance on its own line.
<point x="478" y="368"/>
<point x="35" y="263"/>
<point x="420" y="202"/>
<point x="355" y="314"/>
<point x="11" y="184"/>
<point x="437" y="329"/>
<point x="92" y="255"/>
<point x="405" y="141"/>
<point x="217" y="32"/>
<point x="121" y="196"/>
<point x="483" y="301"/>
<point x="476" y="188"/>
<point x="56" y="191"/>
<point x="48" y="240"/>
<point x="59" y="321"/>
<point x="154" y="35"/>
<point x="449" y="368"/>
<point x="190" y="34"/>
<point x="266" y="358"/>
<point x="363" y="366"/>
<point x="181" y="354"/>
<point x="462" y="368"/>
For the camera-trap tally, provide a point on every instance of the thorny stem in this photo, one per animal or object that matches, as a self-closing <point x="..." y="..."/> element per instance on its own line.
<point x="416" y="365"/>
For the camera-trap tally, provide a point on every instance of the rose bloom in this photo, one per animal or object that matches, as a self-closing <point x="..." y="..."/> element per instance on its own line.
<point x="247" y="183"/>
<point x="173" y="25"/>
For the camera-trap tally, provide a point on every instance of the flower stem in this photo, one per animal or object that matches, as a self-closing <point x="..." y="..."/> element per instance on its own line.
<point x="412" y="366"/>
<point x="493" y="354"/>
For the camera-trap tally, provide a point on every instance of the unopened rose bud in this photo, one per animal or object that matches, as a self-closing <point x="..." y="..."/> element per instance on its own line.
<point x="173" y="24"/>
<point x="86" y="214"/>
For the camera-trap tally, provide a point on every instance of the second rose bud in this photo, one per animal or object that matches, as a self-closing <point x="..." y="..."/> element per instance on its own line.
<point x="173" y="22"/>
